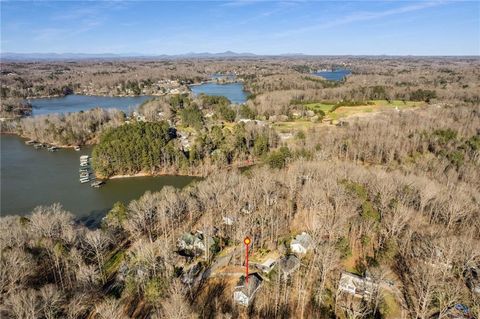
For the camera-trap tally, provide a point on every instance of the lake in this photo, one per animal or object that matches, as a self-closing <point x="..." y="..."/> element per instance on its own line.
<point x="334" y="75"/>
<point x="232" y="91"/>
<point x="76" y="103"/>
<point x="31" y="177"/>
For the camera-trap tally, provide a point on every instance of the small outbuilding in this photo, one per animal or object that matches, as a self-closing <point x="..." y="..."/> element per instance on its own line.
<point x="267" y="265"/>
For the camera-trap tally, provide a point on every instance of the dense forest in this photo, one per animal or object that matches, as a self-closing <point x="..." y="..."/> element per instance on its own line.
<point x="361" y="197"/>
<point x="410" y="219"/>
<point x="66" y="129"/>
<point x="14" y="107"/>
<point x="156" y="147"/>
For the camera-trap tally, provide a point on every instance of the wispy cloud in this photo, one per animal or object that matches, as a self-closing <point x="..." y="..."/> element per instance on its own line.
<point x="75" y="21"/>
<point x="240" y="3"/>
<point x="243" y="3"/>
<point x="280" y="7"/>
<point x="61" y="33"/>
<point x="359" y="17"/>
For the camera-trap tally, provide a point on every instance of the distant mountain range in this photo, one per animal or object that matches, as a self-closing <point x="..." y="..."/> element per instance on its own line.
<point x="83" y="56"/>
<point x="12" y="56"/>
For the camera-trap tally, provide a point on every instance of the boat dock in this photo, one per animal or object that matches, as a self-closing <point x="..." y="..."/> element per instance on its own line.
<point x="86" y="173"/>
<point x="37" y="145"/>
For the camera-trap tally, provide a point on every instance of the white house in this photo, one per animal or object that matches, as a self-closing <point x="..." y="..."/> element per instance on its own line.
<point x="267" y="265"/>
<point x="301" y="244"/>
<point x="245" y="292"/>
<point x="227" y="220"/>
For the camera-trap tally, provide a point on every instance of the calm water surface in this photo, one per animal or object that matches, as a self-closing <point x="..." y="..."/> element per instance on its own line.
<point x="232" y="91"/>
<point x="31" y="177"/>
<point x="76" y="103"/>
<point x="334" y="75"/>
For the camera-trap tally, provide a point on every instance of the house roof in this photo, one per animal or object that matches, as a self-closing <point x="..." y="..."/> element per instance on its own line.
<point x="187" y="238"/>
<point x="362" y="285"/>
<point x="190" y="274"/>
<point x="459" y="311"/>
<point x="303" y="239"/>
<point x="289" y="264"/>
<point x="249" y="289"/>
<point x="269" y="262"/>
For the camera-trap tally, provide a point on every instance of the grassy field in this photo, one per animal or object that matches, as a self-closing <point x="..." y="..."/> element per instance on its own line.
<point x="341" y="112"/>
<point x="287" y="127"/>
<point x="319" y="107"/>
<point x="391" y="306"/>
<point x="344" y="111"/>
<point x="378" y="105"/>
<point x="397" y="103"/>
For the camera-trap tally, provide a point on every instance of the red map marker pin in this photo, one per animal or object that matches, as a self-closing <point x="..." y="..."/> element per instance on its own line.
<point x="247" y="242"/>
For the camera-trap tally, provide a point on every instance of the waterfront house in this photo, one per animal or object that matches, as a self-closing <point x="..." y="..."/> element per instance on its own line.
<point x="301" y="244"/>
<point x="245" y="291"/>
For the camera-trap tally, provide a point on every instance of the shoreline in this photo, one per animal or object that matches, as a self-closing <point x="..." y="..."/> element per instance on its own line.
<point x="26" y="138"/>
<point x="143" y="174"/>
<point x="94" y="94"/>
<point x="176" y="173"/>
<point x="216" y="82"/>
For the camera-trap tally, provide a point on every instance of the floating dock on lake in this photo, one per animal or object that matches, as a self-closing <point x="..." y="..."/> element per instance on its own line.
<point x="86" y="173"/>
<point x="30" y="142"/>
<point x="97" y="184"/>
<point x="84" y="170"/>
<point x="37" y="145"/>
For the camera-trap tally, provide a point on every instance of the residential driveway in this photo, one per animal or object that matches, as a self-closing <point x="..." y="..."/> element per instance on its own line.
<point x="220" y="262"/>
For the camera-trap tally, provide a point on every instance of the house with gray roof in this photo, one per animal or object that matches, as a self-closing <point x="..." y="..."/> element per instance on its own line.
<point x="357" y="286"/>
<point x="195" y="244"/>
<point x="288" y="265"/>
<point x="302" y="243"/>
<point x="245" y="291"/>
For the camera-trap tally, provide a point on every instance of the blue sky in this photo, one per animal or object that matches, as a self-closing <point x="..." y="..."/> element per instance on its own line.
<point x="262" y="27"/>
